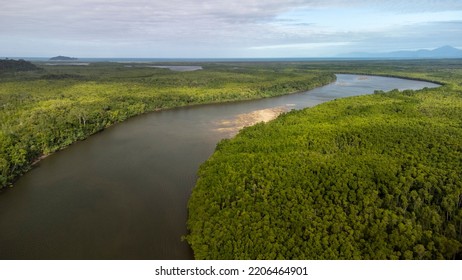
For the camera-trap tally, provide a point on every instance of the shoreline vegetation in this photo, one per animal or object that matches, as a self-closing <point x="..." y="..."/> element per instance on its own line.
<point x="46" y="108"/>
<point x="367" y="177"/>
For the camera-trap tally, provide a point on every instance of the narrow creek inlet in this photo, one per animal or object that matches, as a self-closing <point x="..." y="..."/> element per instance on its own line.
<point x="123" y="193"/>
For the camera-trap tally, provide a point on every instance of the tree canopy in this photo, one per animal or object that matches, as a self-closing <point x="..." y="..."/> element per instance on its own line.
<point x="368" y="177"/>
<point x="46" y="110"/>
<point x="11" y="65"/>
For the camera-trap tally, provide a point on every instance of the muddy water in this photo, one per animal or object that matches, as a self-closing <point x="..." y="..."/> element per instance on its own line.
<point x="122" y="193"/>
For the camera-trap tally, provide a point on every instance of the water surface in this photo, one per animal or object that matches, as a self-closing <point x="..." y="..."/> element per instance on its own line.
<point x="122" y="193"/>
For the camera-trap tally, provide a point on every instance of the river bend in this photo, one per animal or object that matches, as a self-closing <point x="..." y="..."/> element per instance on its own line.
<point x="122" y="193"/>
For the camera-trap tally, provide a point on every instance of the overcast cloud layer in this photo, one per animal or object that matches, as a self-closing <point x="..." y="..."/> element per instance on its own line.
<point x="212" y="28"/>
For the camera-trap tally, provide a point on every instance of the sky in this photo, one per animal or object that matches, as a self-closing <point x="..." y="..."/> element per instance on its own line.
<point x="224" y="29"/>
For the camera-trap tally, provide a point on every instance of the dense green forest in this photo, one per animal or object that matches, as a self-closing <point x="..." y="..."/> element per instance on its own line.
<point x="45" y="108"/>
<point x="369" y="177"/>
<point x="11" y="65"/>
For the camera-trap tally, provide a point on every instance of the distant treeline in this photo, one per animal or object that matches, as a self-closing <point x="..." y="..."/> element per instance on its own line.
<point x="10" y="65"/>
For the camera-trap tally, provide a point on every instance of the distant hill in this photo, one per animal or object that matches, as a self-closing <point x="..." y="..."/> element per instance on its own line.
<point x="10" y="65"/>
<point x="63" y="58"/>
<point x="442" y="52"/>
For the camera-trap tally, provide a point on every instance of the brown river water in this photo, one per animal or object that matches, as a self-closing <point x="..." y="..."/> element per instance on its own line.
<point x="123" y="193"/>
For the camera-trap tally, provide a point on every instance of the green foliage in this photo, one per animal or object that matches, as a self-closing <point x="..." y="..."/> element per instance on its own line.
<point x="11" y="65"/>
<point x="45" y="110"/>
<point x="369" y="177"/>
<point x="372" y="177"/>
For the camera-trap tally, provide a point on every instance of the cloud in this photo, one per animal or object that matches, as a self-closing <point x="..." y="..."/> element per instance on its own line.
<point x="302" y="46"/>
<point x="215" y="26"/>
<point x="135" y="18"/>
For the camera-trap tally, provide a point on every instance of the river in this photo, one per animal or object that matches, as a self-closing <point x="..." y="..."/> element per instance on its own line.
<point x="122" y="193"/>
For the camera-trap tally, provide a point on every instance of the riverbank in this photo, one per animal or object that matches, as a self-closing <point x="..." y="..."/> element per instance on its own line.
<point x="355" y="178"/>
<point x="232" y="126"/>
<point x="47" y="110"/>
<point x="122" y="194"/>
<point x="133" y="180"/>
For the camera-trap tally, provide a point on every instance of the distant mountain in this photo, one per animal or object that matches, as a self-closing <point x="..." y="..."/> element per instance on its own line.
<point x="63" y="58"/>
<point x="442" y="52"/>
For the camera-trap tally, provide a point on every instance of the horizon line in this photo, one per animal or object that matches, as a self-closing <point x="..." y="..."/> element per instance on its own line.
<point x="153" y="59"/>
